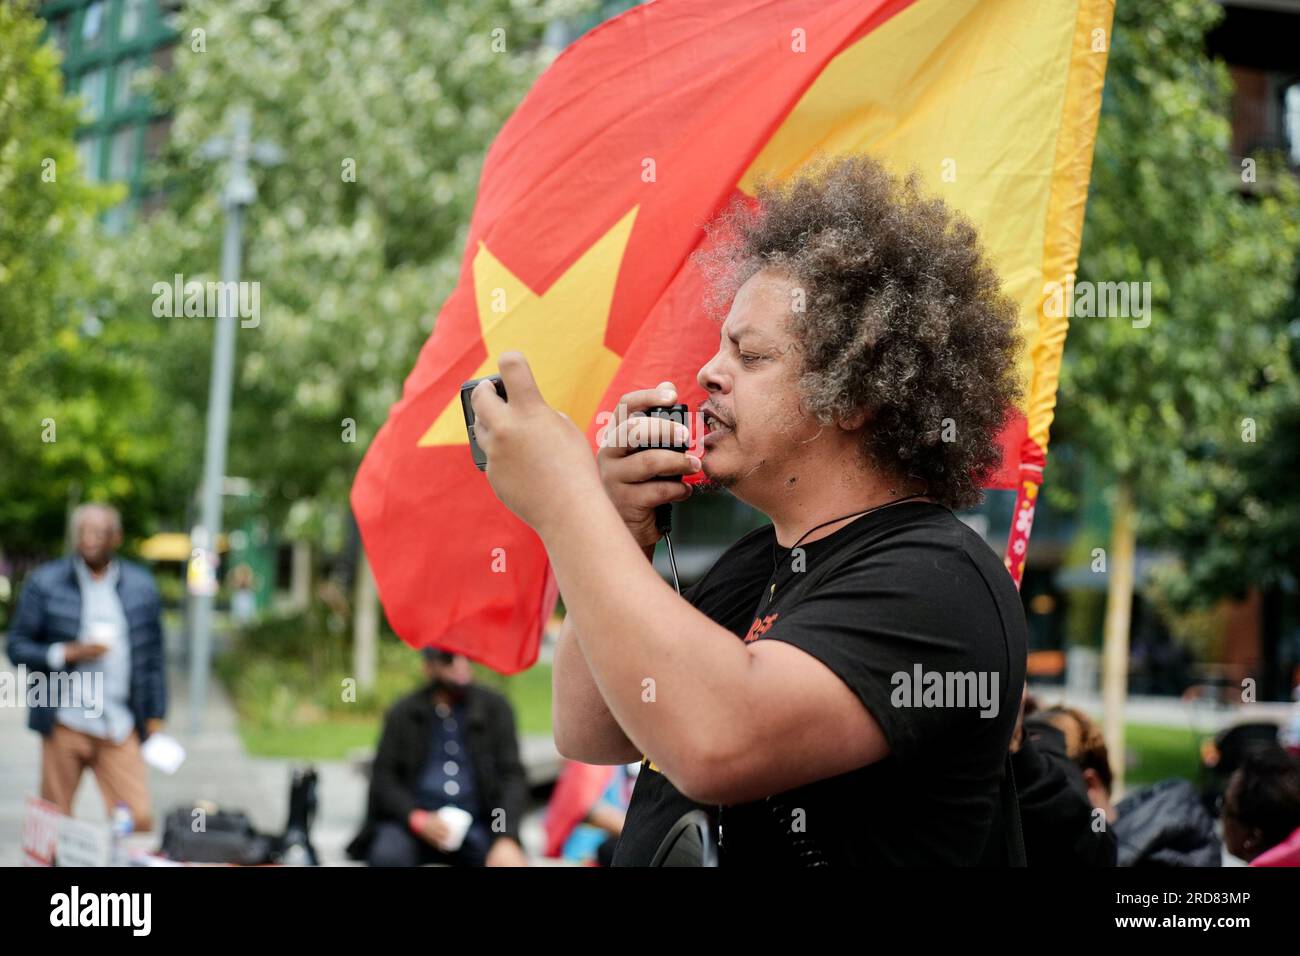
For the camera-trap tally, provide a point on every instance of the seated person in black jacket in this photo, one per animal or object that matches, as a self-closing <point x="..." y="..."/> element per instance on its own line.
<point x="1085" y="746"/>
<point x="1163" y="824"/>
<point x="1064" y="815"/>
<point x="447" y="750"/>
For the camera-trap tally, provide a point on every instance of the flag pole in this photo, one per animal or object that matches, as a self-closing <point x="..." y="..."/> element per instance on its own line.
<point x="1022" y="520"/>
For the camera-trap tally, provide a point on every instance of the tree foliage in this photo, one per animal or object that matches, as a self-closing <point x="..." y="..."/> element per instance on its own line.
<point x="66" y="383"/>
<point x="1163" y="407"/>
<point x="382" y="113"/>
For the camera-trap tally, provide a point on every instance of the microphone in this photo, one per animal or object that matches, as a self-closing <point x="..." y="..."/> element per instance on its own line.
<point x="681" y="414"/>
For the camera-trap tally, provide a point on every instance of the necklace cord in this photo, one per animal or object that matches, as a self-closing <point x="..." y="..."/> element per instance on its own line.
<point x="856" y="514"/>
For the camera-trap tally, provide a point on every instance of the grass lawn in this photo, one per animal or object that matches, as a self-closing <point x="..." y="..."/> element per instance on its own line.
<point x="334" y="736"/>
<point x="325" y="740"/>
<point x="1156" y="753"/>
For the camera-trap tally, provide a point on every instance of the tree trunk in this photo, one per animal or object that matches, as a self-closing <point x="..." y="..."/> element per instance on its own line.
<point x="365" y="625"/>
<point x="1119" y="607"/>
<point x="300" y="576"/>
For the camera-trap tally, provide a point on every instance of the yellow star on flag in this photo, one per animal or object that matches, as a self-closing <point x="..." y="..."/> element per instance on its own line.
<point x="561" y="331"/>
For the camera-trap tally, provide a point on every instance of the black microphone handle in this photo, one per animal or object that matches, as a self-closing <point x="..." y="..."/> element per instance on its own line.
<point x="681" y="414"/>
<point x="664" y="517"/>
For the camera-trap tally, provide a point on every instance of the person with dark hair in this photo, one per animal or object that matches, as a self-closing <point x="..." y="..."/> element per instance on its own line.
<point x="841" y="686"/>
<point x="1261" y="809"/>
<point x="1163" y="824"/>
<point x="447" y="785"/>
<point x="1085" y="747"/>
<point x="1062" y="827"/>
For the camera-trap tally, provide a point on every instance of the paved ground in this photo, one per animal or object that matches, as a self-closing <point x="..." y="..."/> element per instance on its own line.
<point x="218" y="769"/>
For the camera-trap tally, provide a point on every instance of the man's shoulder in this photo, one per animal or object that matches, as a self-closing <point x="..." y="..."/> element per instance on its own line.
<point x="929" y="561"/>
<point x="934" y="540"/>
<point x="409" y="709"/>
<point x="411" y="703"/>
<point x="489" y="699"/>
<point x="51" y="574"/>
<point x="993" y="571"/>
<point x="137" y="576"/>
<point x="909" y="536"/>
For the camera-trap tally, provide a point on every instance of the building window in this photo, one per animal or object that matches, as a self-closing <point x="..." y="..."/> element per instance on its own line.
<point x="121" y="159"/>
<point x="1291" y="121"/>
<point x="88" y="150"/>
<point x="124" y="95"/>
<point x="133" y="17"/>
<point x="92" y="25"/>
<point x="155" y="137"/>
<point x="59" y="30"/>
<point x="109" y="47"/>
<point x="94" y="91"/>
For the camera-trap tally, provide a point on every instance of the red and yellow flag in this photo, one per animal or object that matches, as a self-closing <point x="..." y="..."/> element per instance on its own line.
<point x="597" y="189"/>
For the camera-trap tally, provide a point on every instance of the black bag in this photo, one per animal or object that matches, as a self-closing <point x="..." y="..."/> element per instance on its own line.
<point x="226" y="836"/>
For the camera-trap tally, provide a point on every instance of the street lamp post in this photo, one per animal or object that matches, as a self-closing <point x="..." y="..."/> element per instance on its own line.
<point x="238" y="193"/>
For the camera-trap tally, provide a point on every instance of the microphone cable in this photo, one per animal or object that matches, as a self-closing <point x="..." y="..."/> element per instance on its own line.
<point x="672" y="561"/>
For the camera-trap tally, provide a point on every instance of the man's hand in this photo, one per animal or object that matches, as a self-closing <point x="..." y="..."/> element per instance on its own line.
<point x="435" y="830"/>
<point x="628" y="475"/>
<point x="538" y="462"/>
<point x="505" y="851"/>
<point x="75" y="652"/>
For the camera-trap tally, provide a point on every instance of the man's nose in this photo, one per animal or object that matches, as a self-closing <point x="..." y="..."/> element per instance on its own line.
<point x="709" y="378"/>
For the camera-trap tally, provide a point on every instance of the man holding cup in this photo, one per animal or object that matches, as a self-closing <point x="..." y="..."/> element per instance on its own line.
<point x="447" y="785"/>
<point x="91" y="623"/>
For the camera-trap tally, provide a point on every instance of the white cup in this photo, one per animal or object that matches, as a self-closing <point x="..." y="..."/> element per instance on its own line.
<point x="458" y="822"/>
<point x="102" y="632"/>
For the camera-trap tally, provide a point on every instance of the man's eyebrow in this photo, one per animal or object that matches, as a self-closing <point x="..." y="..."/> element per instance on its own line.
<point x="735" y="334"/>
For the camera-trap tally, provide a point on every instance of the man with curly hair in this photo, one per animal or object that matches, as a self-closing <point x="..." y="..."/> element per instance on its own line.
<point x="842" y="685"/>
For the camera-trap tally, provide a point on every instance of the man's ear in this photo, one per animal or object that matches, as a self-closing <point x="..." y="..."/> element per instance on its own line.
<point x="855" y="421"/>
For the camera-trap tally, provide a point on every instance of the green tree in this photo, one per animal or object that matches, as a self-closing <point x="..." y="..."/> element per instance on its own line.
<point x="383" y="113"/>
<point x="1154" y="402"/>
<point x="1237" y="525"/>
<point x="66" y="381"/>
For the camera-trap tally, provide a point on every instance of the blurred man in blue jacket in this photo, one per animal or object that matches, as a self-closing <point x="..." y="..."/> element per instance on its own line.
<point x="87" y="628"/>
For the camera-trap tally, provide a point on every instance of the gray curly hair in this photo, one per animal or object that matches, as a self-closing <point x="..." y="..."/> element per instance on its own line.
<point x="902" y="316"/>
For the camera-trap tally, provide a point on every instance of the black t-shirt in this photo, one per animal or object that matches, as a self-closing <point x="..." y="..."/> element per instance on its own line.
<point x="914" y="612"/>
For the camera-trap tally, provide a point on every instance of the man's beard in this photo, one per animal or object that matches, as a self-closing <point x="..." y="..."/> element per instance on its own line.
<point x="713" y="486"/>
<point x="452" y="691"/>
<point x="718" y="483"/>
